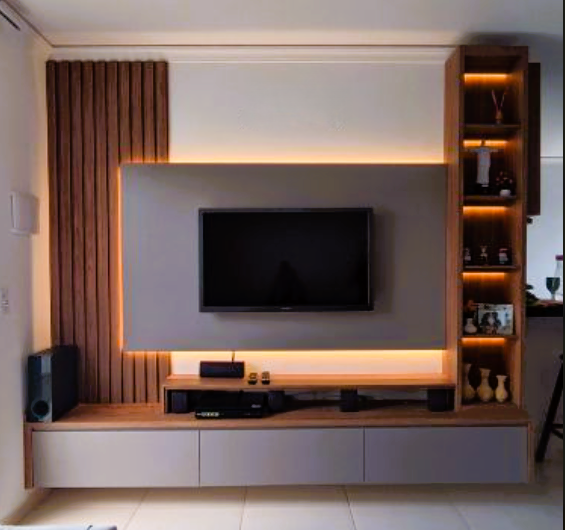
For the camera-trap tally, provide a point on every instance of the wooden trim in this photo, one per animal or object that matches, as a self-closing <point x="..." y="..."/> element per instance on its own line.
<point x="65" y="204"/>
<point x="151" y="417"/>
<point x="162" y="110"/>
<point x="54" y="243"/>
<point x="112" y="94"/>
<point x="534" y="165"/>
<point x="91" y="251"/>
<point x="79" y="265"/>
<point x="29" y="481"/>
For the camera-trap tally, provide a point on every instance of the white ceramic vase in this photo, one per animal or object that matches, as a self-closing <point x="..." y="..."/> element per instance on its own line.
<point x="470" y="328"/>
<point x="469" y="393"/>
<point x="486" y="393"/>
<point x="501" y="392"/>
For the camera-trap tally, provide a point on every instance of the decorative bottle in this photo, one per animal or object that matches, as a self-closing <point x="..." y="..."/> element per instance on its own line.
<point x="471" y="328"/>
<point x="485" y="392"/>
<point x="469" y="393"/>
<point x="501" y="392"/>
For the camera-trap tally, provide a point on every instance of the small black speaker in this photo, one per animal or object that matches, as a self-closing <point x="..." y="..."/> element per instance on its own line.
<point x="277" y="402"/>
<point x="180" y="402"/>
<point x="52" y="378"/>
<point x="441" y="400"/>
<point x="349" y="401"/>
<point x="222" y="370"/>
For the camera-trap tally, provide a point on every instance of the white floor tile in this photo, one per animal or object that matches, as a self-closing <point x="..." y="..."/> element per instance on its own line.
<point x="403" y="509"/>
<point x="297" y="509"/>
<point x="174" y="519"/>
<point x="206" y="509"/>
<point x="76" y="516"/>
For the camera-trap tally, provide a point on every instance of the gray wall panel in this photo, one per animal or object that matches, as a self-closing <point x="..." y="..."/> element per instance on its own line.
<point x="161" y="277"/>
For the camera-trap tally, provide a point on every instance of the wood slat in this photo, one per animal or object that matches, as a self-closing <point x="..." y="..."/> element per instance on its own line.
<point x="124" y="71"/>
<point x="137" y="144"/>
<point x="77" y="158"/>
<point x="116" y="380"/>
<point x="101" y="115"/>
<point x="65" y="204"/>
<point x="149" y="128"/>
<point x="54" y="252"/>
<point x="91" y="253"/>
<point x="162" y="111"/>
<point x="102" y="218"/>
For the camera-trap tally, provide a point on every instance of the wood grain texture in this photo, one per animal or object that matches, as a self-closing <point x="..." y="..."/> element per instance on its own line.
<point x="79" y="265"/>
<point x="91" y="252"/>
<point x="101" y="115"/>
<point x="54" y="244"/>
<point x="65" y="204"/>
<point x="124" y="71"/>
<point x="112" y="94"/>
<point x="151" y="417"/>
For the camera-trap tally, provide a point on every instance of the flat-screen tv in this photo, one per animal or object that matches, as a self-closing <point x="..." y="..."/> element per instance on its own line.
<point x="317" y="260"/>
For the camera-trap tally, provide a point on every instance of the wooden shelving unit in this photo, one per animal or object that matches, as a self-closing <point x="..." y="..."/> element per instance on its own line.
<point x="475" y="220"/>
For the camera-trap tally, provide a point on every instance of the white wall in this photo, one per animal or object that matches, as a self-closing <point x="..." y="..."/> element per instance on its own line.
<point x="23" y="262"/>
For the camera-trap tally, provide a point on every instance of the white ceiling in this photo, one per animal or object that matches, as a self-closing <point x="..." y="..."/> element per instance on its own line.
<point x="178" y="22"/>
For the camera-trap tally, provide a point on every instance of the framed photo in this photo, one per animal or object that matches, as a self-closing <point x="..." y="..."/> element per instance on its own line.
<point x="496" y="319"/>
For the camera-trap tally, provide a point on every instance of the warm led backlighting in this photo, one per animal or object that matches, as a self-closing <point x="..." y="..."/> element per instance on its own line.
<point x="323" y="362"/>
<point x="487" y="78"/>
<point x="485" y="210"/>
<point x="484" y="276"/>
<point x="490" y="341"/>
<point x="497" y="144"/>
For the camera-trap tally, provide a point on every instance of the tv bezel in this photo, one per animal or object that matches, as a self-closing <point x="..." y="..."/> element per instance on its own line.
<point x="360" y="308"/>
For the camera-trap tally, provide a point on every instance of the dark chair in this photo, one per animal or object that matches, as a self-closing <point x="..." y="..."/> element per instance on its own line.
<point x="551" y="428"/>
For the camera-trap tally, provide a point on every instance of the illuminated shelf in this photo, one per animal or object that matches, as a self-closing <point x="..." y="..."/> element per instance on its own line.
<point x="491" y="130"/>
<point x="490" y="337"/>
<point x="493" y="269"/>
<point x="489" y="200"/>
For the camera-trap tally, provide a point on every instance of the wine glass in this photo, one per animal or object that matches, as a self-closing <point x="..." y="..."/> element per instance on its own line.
<point x="553" y="285"/>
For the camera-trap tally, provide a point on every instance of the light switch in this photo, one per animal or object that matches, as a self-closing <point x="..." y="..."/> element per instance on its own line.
<point x="4" y="301"/>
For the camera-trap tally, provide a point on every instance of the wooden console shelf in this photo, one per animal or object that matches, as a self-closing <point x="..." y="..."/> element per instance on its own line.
<point x="152" y="418"/>
<point x="309" y="383"/>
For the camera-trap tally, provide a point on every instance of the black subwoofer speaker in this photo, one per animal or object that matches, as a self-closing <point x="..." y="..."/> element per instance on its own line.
<point x="52" y="378"/>
<point x="441" y="400"/>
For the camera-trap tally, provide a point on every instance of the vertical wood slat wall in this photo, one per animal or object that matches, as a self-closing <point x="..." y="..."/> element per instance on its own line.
<point x="101" y="115"/>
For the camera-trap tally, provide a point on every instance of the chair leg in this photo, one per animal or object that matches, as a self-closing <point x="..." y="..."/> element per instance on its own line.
<point x="550" y="421"/>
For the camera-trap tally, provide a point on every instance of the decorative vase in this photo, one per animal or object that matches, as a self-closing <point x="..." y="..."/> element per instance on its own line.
<point x="469" y="393"/>
<point x="485" y="392"/>
<point x="470" y="328"/>
<point x="501" y="392"/>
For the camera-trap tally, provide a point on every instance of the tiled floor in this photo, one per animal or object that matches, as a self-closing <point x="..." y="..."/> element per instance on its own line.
<point x="535" y="507"/>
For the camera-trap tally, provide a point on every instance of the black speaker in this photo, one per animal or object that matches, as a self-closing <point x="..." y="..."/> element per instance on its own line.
<point x="52" y="378"/>
<point x="441" y="400"/>
<point x="222" y="370"/>
<point x="277" y="401"/>
<point x="180" y="402"/>
<point x="349" y="401"/>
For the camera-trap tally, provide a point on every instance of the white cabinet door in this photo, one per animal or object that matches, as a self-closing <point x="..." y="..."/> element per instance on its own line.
<point x="116" y="459"/>
<point x="480" y="455"/>
<point x="281" y="457"/>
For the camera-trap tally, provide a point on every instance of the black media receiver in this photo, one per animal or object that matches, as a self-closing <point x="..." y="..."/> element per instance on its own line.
<point x="231" y="405"/>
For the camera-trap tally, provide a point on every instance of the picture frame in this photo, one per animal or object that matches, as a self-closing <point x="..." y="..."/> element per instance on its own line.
<point x="495" y="319"/>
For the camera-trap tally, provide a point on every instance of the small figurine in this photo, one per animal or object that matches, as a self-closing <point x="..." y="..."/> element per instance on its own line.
<point x="499" y="106"/>
<point x="484" y="257"/>
<point x="504" y="257"/>
<point x="468" y="257"/>
<point x="484" y="155"/>
<point x="506" y="184"/>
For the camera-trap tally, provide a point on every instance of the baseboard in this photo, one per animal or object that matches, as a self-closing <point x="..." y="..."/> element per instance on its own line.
<point x="35" y="498"/>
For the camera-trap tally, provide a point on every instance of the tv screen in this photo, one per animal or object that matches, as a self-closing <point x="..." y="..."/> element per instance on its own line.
<point x="286" y="260"/>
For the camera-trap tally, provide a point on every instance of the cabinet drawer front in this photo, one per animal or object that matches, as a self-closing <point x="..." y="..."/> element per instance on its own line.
<point x="281" y="457"/>
<point x="447" y="455"/>
<point x="116" y="459"/>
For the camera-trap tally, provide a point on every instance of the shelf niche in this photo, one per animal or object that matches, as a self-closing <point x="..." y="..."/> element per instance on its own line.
<point x="476" y="220"/>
